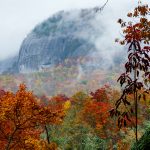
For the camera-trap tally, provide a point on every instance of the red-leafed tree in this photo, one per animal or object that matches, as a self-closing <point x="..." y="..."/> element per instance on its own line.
<point x="137" y="75"/>
<point x="96" y="111"/>
<point x="23" y="118"/>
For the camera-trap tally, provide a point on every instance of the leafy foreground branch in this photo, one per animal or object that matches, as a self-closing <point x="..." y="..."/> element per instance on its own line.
<point x="144" y="142"/>
<point x="136" y="78"/>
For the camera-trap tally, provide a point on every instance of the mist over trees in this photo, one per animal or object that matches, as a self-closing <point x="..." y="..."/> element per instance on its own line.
<point x="71" y="108"/>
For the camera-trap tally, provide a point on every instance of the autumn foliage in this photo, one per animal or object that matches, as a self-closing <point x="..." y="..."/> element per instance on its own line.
<point x="96" y="112"/>
<point x="85" y="120"/>
<point x="136" y="77"/>
<point x="23" y="117"/>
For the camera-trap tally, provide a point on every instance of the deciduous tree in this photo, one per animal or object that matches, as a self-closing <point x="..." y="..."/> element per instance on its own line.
<point x="137" y="75"/>
<point x="23" y="118"/>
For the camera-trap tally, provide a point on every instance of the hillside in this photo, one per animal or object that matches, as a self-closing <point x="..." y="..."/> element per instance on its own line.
<point x="67" y="35"/>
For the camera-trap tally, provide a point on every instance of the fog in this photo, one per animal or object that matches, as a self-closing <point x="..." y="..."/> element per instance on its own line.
<point x="19" y="17"/>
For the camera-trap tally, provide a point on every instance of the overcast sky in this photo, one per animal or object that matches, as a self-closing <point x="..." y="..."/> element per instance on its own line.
<point x="18" y="17"/>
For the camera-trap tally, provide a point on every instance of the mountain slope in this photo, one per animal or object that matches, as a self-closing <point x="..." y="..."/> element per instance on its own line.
<point x="56" y="39"/>
<point x="67" y="35"/>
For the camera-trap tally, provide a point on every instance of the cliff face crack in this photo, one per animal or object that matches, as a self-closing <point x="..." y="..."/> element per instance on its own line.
<point x="64" y="36"/>
<point x="56" y="39"/>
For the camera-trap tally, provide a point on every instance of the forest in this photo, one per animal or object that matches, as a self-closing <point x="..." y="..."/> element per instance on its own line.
<point x="102" y="110"/>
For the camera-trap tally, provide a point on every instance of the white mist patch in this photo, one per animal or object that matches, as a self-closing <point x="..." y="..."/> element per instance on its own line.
<point x="80" y="73"/>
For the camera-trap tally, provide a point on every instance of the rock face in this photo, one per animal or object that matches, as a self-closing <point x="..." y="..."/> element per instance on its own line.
<point x="64" y="35"/>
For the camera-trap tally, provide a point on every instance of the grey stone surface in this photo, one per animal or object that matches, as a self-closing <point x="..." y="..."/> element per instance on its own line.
<point x="57" y="39"/>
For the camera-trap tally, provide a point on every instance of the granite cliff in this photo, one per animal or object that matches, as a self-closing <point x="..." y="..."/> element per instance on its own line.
<point x="65" y="35"/>
<point x="56" y="39"/>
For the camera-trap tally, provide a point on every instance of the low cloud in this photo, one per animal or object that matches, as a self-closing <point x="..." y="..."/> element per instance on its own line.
<point x="19" y="17"/>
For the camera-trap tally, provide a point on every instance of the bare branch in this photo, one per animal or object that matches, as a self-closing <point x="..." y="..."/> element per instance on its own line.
<point x="99" y="9"/>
